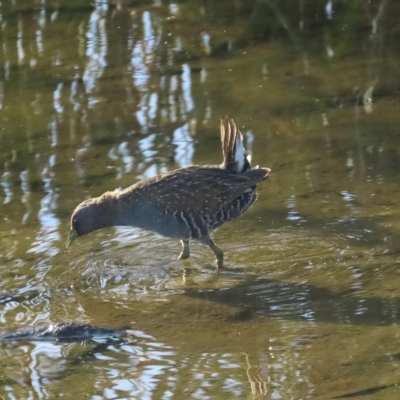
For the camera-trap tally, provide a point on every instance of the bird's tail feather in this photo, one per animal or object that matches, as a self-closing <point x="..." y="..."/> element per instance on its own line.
<point x="235" y="157"/>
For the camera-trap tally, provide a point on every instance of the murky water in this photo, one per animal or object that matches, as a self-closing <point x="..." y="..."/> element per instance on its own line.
<point x="98" y="96"/>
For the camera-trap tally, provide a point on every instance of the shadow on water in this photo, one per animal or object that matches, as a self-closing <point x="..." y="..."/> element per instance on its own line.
<point x="270" y="298"/>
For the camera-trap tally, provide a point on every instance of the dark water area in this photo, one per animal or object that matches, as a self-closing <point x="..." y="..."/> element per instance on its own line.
<point x="99" y="95"/>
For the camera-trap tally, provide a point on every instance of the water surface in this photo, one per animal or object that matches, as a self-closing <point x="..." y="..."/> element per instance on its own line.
<point x="98" y="96"/>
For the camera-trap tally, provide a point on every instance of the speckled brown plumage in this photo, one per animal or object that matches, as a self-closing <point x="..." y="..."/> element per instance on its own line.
<point x="188" y="203"/>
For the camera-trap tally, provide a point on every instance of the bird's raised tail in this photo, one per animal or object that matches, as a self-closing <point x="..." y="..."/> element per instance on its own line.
<point x="235" y="157"/>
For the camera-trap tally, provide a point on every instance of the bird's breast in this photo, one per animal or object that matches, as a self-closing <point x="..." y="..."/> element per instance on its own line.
<point x="163" y="222"/>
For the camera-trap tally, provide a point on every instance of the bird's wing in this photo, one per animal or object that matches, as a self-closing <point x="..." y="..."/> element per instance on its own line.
<point x="205" y="189"/>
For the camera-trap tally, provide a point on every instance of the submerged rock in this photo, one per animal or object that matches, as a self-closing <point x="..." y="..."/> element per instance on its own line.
<point x="62" y="332"/>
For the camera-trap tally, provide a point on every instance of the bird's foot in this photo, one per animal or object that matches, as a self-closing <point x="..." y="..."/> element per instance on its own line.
<point x="184" y="255"/>
<point x="220" y="262"/>
<point x="185" y="250"/>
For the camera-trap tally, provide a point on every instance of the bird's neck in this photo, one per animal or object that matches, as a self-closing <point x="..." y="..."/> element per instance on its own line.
<point x="115" y="211"/>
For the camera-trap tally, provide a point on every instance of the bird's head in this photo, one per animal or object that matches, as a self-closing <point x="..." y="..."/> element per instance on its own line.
<point x="85" y="219"/>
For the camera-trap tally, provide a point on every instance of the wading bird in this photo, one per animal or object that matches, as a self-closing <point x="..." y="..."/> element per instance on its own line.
<point x="186" y="204"/>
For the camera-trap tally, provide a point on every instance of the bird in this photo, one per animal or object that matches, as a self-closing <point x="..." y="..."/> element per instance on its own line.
<point x="187" y="203"/>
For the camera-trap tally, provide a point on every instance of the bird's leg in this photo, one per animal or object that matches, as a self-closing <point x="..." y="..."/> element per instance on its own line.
<point x="185" y="250"/>
<point x="219" y="254"/>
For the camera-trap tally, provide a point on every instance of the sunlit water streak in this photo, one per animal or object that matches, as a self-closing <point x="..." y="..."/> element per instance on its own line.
<point x="96" y="52"/>
<point x="49" y="234"/>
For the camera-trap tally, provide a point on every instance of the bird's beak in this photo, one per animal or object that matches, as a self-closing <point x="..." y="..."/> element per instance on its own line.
<point x="71" y="237"/>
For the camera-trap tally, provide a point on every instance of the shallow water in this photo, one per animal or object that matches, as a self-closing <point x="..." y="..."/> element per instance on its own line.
<point x="95" y="97"/>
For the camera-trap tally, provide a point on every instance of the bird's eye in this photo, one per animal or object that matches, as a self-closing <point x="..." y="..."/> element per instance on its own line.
<point x="75" y="221"/>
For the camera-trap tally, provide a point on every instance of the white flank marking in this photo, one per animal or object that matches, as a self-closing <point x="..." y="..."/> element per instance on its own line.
<point x="239" y="153"/>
